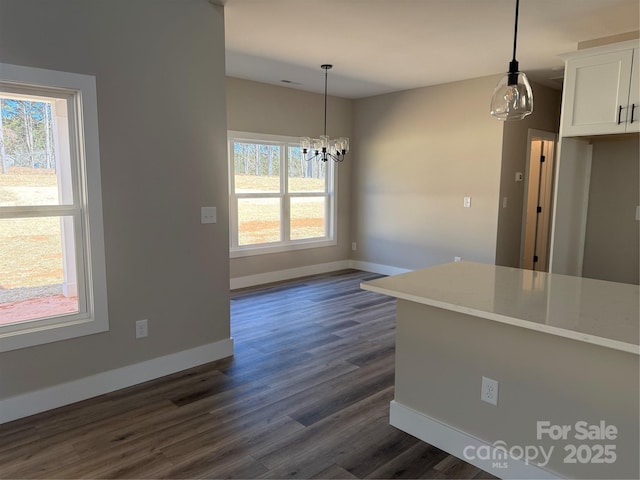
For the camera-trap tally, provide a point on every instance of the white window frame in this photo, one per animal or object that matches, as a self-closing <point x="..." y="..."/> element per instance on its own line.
<point x="286" y="244"/>
<point x="79" y="92"/>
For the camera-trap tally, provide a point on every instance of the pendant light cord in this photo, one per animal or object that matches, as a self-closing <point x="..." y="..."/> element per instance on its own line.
<point x="515" y="33"/>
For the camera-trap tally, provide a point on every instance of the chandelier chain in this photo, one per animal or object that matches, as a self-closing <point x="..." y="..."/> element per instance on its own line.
<point x="326" y="76"/>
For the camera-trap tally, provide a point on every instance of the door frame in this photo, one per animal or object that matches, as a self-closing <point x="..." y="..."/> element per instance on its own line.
<point x="535" y="135"/>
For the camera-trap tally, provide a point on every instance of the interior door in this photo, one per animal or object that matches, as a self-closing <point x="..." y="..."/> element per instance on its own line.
<point x="539" y="203"/>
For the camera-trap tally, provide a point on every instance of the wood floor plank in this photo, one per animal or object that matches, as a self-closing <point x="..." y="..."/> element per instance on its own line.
<point x="16" y="437"/>
<point x="36" y="462"/>
<point x="308" y="375"/>
<point x="208" y="466"/>
<point x="452" y="467"/>
<point x="306" y="395"/>
<point x="227" y="443"/>
<point x="294" y="456"/>
<point x="334" y="471"/>
<point x="148" y="466"/>
<point x="415" y="462"/>
<point x="370" y="380"/>
<point x="383" y="444"/>
<point x="358" y="438"/>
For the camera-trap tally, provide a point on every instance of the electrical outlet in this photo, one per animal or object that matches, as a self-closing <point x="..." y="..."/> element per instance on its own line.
<point x="457" y="259"/>
<point x="353" y="246"/>
<point x="467" y="202"/>
<point x="489" y="392"/>
<point x="142" y="328"/>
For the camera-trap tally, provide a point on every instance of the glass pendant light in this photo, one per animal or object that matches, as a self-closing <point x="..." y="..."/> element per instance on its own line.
<point x="512" y="98"/>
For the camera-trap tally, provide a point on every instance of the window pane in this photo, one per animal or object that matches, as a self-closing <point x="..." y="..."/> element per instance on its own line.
<point x="308" y="217"/>
<point x="305" y="175"/>
<point x="257" y="168"/>
<point x="259" y="220"/>
<point x="34" y="164"/>
<point x="37" y="278"/>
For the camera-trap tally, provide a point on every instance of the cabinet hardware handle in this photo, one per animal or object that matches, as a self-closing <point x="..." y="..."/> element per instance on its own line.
<point x="633" y="108"/>
<point x="619" y="114"/>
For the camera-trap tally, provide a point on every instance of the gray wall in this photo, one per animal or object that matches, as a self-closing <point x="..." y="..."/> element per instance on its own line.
<point x="262" y="108"/>
<point x="541" y="377"/>
<point x="159" y="67"/>
<point x="417" y="154"/>
<point x="611" y="241"/>
<point x="545" y="117"/>
<point x="570" y="205"/>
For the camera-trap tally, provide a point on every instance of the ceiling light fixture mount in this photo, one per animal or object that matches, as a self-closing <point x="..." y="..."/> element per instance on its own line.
<point x="324" y="148"/>
<point x="512" y="98"/>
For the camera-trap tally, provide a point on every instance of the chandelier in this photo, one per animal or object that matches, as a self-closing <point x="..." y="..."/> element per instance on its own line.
<point x="512" y="98"/>
<point x="324" y="148"/>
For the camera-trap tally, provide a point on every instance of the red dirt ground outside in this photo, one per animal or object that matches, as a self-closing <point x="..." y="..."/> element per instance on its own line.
<point x="37" y="308"/>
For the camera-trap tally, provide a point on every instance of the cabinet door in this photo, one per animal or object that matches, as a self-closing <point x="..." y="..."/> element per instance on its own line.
<point x="633" y="124"/>
<point x="595" y="89"/>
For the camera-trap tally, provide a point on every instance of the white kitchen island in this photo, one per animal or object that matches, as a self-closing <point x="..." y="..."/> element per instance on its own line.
<point x="565" y="351"/>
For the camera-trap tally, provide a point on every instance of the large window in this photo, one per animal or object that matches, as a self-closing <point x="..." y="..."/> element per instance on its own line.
<point x="278" y="200"/>
<point x="52" y="275"/>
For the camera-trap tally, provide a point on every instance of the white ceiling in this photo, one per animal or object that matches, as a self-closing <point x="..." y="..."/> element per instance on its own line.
<point x="381" y="46"/>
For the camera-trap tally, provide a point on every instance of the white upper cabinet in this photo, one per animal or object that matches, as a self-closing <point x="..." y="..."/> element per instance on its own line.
<point x="601" y="92"/>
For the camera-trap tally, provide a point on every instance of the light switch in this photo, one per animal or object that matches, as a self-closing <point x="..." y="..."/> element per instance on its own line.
<point x="208" y="215"/>
<point x="467" y="202"/>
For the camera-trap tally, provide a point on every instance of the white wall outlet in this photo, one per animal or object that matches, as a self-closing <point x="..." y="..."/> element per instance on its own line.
<point x="489" y="392"/>
<point x="457" y="259"/>
<point x="467" y="202"/>
<point x="142" y="328"/>
<point x="208" y="215"/>
<point x="354" y="246"/>
<point x="519" y="176"/>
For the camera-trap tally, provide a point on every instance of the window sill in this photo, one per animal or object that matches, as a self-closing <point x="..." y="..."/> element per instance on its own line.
<point x="239" y="252"/>
<point x="30" y="337"/>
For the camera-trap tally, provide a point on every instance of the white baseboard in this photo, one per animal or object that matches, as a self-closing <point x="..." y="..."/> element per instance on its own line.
<point x="455" y="442"/>
<point x="377" y="268"/>
<point x="280" y="275"/>
<point x="38" y="401"/>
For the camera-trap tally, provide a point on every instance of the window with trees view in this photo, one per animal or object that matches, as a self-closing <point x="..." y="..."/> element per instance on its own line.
<point x="51" y="277"/>
<point x="278" y="200"/>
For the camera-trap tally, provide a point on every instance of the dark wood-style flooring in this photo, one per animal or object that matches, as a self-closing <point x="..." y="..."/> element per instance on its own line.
<point x="305" y="396"/>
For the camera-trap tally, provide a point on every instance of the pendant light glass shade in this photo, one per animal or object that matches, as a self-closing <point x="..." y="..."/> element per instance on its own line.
<point x="512" y="98"/>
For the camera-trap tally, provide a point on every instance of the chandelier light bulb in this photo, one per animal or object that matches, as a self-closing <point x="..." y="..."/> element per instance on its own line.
<point x="342" y="145"/>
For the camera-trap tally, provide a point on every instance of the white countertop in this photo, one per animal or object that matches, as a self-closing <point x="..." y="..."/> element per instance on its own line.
<point x="583" y="309"/>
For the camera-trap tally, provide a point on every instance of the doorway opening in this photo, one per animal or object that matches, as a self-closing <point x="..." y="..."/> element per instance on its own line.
<point x="538" y="205"/>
